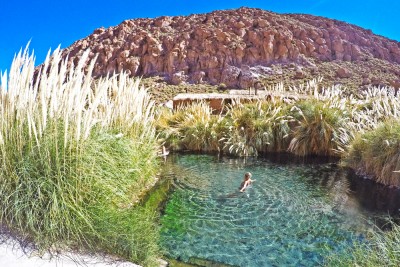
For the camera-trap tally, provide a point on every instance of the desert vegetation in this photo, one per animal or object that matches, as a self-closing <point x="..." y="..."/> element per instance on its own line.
<point x="381" y="249"/>
<point x="78" y="154"/>
<point x="304" y="120"/>
<point x="75" y="157"/>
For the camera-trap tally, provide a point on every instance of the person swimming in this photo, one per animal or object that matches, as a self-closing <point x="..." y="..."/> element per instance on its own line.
<point x="246" y="182"/>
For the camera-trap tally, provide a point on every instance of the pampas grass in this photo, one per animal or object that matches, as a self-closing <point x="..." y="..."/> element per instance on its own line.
<point x="75" y="155"/>
<point x="304" y="120"/>
<point x="258" y="127"/>
<point x="192" y="128"/>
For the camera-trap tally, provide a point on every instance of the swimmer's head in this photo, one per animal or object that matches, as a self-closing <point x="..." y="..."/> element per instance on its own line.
<point x="247" y="176"/>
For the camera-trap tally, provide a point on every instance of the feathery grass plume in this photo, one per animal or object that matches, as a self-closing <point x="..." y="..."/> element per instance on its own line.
<point x="377" y="153"/>
<point x="127" y="106"/>
<point x="377" y="104"/>
<point x="165" y="123"/>
<point x="242" y="130"/>
<point x="328" y="124"/>
<point x="64" y="172"/>
<point x="277" y="125"/>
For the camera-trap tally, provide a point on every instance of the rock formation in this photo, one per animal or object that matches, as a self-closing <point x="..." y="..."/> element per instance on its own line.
<point x="234" y="47"/>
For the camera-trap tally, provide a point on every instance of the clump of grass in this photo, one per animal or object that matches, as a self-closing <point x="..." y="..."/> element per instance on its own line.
<point x="258" y="126"/>
<point x="380" y="249"/>
<point x="74" y="157"/>
<point x="317" y="132"/>
<point x="192" y="127"/>
<point x="304" y="120"/>
<point x="377" y="153"/>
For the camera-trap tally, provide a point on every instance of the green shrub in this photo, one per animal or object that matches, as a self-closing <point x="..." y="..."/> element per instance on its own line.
<point x="381" y="249"/>
<point x="192" y="127"/>
<point x="259" y="126"/>
<point x="377" y="153"/>
<point x="319" y="129"/>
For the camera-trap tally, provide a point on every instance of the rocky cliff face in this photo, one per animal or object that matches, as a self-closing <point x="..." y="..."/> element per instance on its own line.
<point x="239" y="47"/>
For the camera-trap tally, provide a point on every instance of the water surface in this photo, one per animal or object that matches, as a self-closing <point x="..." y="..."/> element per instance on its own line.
<point x="295" y="214"/>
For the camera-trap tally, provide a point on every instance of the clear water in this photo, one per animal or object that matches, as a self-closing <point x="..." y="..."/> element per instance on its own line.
<point x="292" y="215"/>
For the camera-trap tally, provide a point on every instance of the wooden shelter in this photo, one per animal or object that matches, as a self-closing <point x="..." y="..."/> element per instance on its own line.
<point x="217" y="101"/>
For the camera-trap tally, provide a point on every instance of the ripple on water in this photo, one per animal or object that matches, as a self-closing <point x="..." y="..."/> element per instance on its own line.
<point x="286" y="218"/>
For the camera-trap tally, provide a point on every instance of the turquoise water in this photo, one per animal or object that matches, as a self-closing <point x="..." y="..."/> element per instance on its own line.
<point x="292" y="215"/>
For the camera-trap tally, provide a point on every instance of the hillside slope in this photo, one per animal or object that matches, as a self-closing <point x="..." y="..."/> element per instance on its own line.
<point x="243" y="48"/>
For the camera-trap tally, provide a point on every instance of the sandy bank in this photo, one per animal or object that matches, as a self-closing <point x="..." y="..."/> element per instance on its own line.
<point x="13" y="255"/>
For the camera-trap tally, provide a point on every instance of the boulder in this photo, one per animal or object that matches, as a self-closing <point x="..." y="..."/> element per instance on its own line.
<point x="343" y="73"/>
<point x="179" y="77"/>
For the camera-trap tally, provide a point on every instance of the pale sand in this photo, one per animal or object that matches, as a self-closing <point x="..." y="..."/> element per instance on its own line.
<point x="12" y="255"/>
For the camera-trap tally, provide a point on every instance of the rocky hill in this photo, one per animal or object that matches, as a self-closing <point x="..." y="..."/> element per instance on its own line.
<point x="243" y="48"/>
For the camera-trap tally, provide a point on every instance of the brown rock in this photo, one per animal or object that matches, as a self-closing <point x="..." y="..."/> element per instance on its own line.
<point x="178" y="78"/>
<point x="320" y="41"/>
<point x="343" y="73"/>
<point x="395" y="83"/>
<point x="198" y="76"/>
<point x="299" y="74"/>
<point x="225" y="46"/>
<point x="230" y="76"/>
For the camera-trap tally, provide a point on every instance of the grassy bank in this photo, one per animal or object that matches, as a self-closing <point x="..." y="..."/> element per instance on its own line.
<point x="75" y="156"/>
<point x="376" y="153"/>
<point x="381" y="249"/>
<point x="322" y="122"/>
<point x="317" y="125"/>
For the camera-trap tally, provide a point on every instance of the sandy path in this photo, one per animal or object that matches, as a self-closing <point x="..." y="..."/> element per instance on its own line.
<point x="12" y="255"/>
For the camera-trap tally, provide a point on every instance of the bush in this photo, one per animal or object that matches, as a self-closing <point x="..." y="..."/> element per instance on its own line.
<point x="319" y="129"/>
<point x="377" y="153"/>
<point x="381" y="249"/>
<point x="259" y="126"/>
<point x="192" y="128"/>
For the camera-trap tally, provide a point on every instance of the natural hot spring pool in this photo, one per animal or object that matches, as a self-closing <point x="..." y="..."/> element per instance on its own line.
<point x="295" y="214"/>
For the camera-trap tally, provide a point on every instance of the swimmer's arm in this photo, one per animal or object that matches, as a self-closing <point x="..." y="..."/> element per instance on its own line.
<point x="246" y="184"/>
<point x="243" y="188"/>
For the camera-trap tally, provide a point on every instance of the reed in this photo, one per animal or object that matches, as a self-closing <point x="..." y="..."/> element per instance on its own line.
<point x="75" y="155"/>
<point x="255" y="127"/>
<point x="325" y="122"/>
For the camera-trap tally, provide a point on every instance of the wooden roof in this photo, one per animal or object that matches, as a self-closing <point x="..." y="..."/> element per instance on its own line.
<point x="187" y="96"/>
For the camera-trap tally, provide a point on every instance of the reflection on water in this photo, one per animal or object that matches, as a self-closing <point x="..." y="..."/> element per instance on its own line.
<point x="295" y="214"/>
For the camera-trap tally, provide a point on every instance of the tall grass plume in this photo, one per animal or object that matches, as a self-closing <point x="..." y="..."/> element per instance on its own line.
<point x="74" y="157"/>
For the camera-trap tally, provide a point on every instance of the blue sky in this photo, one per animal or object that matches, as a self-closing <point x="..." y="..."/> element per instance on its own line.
<point x="48" y="24"/>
